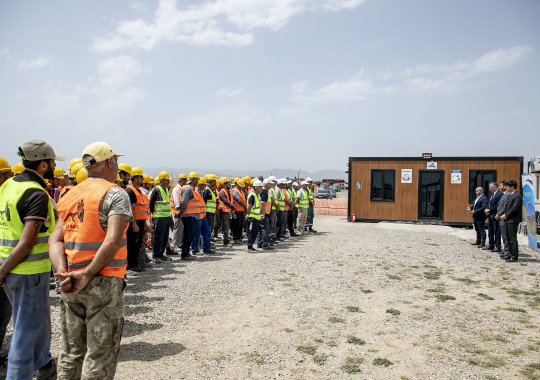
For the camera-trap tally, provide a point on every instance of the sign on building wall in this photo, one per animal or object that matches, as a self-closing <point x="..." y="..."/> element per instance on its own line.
<point x="406" y="175"/>
<point x="455" y="176"/>
<point x="358" y="185"/>
<point x="431" y="165"/>
<point x="530" y="214"/>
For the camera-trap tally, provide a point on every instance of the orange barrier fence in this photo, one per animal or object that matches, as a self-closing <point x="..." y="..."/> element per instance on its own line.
<point x="336" y="207"/>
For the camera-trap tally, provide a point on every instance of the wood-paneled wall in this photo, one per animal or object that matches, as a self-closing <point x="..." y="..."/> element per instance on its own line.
<point x="405" y="205"/>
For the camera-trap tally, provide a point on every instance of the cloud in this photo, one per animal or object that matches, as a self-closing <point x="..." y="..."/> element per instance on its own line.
<point x="119" y="71"/>
<point x="218" y="22"/>
<point x="37" y="63"/>
<point x="229" y="92"/>
<point x="138" y="6"/>
<point x="433" y="79"/>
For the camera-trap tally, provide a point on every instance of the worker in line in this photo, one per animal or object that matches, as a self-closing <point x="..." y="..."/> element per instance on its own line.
<point x="137" y="228"/>
<point x="272" y="181"/>
<point x="189" y="209"/>
<point x="90" y="256"/>
<point x="144" y="260"/>
<point x="209" y="197"/>
<point x="217" y="215"/>
<point x="56" y="183"/>
<point x="239" y="201"/>
<point x="27" y="220"/>
<point x="124" y="171"/>
<point x="263" y="238"/>
<point x="203" y="234"/>
<point x="5" y="306"/>
<point x="295" y="188"/>
<point x="254" y="214"/>
<point x="177" y="230"/>
<point x="160" y="208"/>
<point x="311" y="213"/>
<point x="227" y="209"/>
<point x="302" y="200"/>
<point x="292" y="205"/>
<point x="280" y="199"/>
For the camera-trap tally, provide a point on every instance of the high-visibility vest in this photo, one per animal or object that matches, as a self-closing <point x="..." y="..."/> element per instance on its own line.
<point x="211" y="202"/>
<point x="292" y="196"/>
<point x="140" y="209"/>
<point x="11" y="228"/>
<point x="267" y="204"/>
<point x="193" y="206"/>
<point x="242" y="198"/>
<point x="202" y="205"/>
<point x="174" y="210"/>
<point x="285" y="198"/>
<point x="278" y="198"/>
<point x="304" y="199"/>
<point x="255" y="211"/>
<point x="83" y="234"/>
<point x="162" y="208"/>
<point x="310" y="193"/>
<point x="65" y="190"/>
<point x="222" y="206"/>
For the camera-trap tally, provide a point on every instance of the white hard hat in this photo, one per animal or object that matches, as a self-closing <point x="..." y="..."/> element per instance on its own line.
<point x="309" y="179"/>
<point x="304" y="183"/>
<point x="257" y="183"/>
<point x="265" y="181"/>
<point x="289" y="181"/>
<point x="282" y="181"/>
<point x="272" y="179"/>
<point x="295" y="184"/>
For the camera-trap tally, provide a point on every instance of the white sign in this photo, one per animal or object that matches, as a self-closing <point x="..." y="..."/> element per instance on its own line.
<point x="455" y="176"/>
<point x="358" y="185"/>
<point x="406" y="175"/>
<point x="431" y="165"/>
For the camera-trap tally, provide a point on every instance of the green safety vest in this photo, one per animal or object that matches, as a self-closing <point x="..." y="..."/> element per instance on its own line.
<point x="11" y="228"/>
<point x="310" y="193"/>
<point x="211" y="202"/>
<point x="292" y="196"/>
<point x="255" y="211"/>
<point x="304" y="199"/>
<point x="162" y="209"/>
<point x="278" y="198"/>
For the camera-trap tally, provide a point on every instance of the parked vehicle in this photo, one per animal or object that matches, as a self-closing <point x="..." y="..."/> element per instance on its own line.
<point x="327" y="193"/>
<point x="336" y="187"/>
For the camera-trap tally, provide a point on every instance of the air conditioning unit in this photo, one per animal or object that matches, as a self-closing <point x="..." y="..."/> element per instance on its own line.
<point x="535" y="165"/>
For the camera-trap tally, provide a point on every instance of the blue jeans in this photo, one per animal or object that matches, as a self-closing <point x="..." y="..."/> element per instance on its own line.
<point x="196" y="236"/>
<point x="31" y="340"/>
<point x="161" y="236"/>
<point x="205" y="232"/>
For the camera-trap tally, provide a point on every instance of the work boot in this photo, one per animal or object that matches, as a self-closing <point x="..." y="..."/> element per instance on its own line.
<point x="47" y="372"/>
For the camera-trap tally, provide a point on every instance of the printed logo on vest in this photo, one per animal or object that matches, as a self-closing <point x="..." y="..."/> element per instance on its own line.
<point x="79" y="214"/>
<point x="5" y="214"/>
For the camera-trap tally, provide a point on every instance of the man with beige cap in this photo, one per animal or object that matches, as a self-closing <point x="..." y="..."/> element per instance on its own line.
<point x="27" y="220"/>
<point x="88" y="251"/>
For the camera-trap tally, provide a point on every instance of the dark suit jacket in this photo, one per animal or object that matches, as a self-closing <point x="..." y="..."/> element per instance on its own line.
<point x="513" y="208"/>
<point x="502" y="203"/>
<point x="480" y="207"/>
<point x="493" y="202"/>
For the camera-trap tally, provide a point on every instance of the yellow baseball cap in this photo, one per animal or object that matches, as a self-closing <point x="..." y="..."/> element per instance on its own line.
<point x="98" y="151"/>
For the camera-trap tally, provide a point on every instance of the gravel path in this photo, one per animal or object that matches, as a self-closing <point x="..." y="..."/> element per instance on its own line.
<point x="367" y="301"/>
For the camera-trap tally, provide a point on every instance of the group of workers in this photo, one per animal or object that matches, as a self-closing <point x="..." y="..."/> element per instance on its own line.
<point x="93" y="223"/>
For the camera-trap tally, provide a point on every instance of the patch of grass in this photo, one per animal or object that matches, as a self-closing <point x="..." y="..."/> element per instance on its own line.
<point x="516" y="309"/>
<point x="468" y="281"/>
<point x="488" y="362"/>
<point x="485" y="296"/>
<point x="531" y="371"/>
<point x="435" y="290"/>
<point x="432" y="275"/>
<point x="353" y="309"/>
<point x="351" y="369"/>
<point x="521" y="292"/>
<point x="332" y="343"/>
<point x="354" y="340"/>
<point x="309" y="350"/>
<point x="531" y="274"/>
<point x="319" y="340"/>
<point x="394" y="277"/>
<point x="434" y="244"/>
<point x="255" y="357"/>
<point x="393" y="312"/>
<point x="335" y="320"/>
<point x="320" y="359"/>
<point x="288" y="330"/>
<point x="430" y="266"/>
<point x="382" y="362"/>
<point x="445" y="297"/>
<point x="366" y="291"/>
<point x="512" y="331"/>
<point x="284" y="279"/>
<point x="517" y="352"/>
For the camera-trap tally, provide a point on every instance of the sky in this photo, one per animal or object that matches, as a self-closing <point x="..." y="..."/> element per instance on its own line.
<point x="257" y="84"/>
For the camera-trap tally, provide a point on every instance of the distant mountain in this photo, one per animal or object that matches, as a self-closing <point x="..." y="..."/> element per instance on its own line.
<point x="291" y="173"/>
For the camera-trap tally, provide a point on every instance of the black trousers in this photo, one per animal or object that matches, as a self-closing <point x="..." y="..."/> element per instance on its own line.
<point x="279" y="224"/>
<point x="253" y="231"/>
<point x="237" y="225"/>
<point x="512" y="229"/>
<point x="189" y="232"/>
<point x="263" y="237"/>
<point x="494" y="233"/>
<point x="480" y="228"/>
<point x="290" y="220"/>
<point x="134" y="243"/>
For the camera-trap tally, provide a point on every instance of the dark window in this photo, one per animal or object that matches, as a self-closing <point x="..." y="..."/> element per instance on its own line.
<point x="382" y="185"/>
<point x="481" y="178"/>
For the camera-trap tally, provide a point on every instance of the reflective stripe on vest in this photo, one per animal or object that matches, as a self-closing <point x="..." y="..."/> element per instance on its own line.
<point x="255" y="211"/>
<point x="310" y="193"/>
<point x="304" y="200"/>
<point x="83" y="234"/>
<point x="211" y="202"/>
<point x="202" y="206"/>
<point x="162" y="209"/>
<point x="286" y="197"/>
<point x="139" y="209"/>
<point x="193" y="206"/>
<point x="278" y="198"/>
<point x="268" y="204"/>
<point x="222" y="206"/>
<point x="11" y="228"/>
<point x="240" y="193"/>
<point x="174" y="210"/>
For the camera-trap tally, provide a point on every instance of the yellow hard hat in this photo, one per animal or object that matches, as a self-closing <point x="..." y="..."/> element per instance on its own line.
<point x="147" y="178"/>
<point x="237" y="179"/>
<point x="125" y="168"/>
<point x="247" y="179"/>
<point x="18" y="168"/>
<point x="74" y="161"/>
<point x="253" y="180"/>
<point x="100" y="151"/>
<point x="240" y="183"/>
<point x="136" y="171"/>
<point x="224" y="180"/>
<point x="4" y="164"/>
<point x="58" y="172"/>
<point x="156" y="180"/>
<point x="202" y="181"/>
<point x="75" y="168"/>
<point x="82" y="174"/>
<point x="118" y="177"/>
<point x="193" y="175"/>
<point x="218" y="182"/>
<point x="182" y="176"/>
<point x="211" y="177"/>
<point x="163" y="175"/>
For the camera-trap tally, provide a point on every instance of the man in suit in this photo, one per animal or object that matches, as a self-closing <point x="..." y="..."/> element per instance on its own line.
<point x="503" y="188"/>
<point x="512" y="217"/>
<point x="494" y="232"/>
<point x="478" y="211"/>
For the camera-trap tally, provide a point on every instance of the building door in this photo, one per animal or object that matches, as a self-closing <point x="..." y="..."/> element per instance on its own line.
<point x="430" y="194"/>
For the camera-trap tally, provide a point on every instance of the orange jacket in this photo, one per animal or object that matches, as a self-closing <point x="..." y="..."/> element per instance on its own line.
<point x="140" y="209"/>
<point x="242" y="198"/>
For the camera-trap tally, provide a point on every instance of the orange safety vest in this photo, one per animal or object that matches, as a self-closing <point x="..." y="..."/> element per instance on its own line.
<point x="202" y="205"/>
<point x="140" y="209"/>
<point x="242" y="198"/>
<point x="193" y="205"/>
<point x="286" y="195"/>
<point x="65" y="190"/>
<point x="174" y="210"/>
<point x="222" y="206"/>
<point x="83" y="234"/>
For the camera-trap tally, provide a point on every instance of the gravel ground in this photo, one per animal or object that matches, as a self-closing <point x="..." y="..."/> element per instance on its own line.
<point x="367" y="301"/>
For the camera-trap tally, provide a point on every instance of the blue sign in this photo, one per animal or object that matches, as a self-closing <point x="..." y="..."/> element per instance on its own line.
<point x="530" y="215"/>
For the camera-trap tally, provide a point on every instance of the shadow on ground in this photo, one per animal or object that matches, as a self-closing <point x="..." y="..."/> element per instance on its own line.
<point x="147" y="352"/>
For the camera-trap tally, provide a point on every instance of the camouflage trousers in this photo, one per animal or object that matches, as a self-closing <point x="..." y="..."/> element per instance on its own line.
<point x="91" y="326"/>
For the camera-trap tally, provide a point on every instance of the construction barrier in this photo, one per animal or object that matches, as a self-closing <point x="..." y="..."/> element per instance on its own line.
<point x="335" y="207"/>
